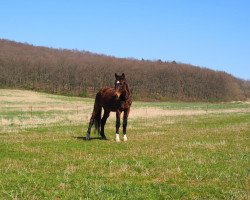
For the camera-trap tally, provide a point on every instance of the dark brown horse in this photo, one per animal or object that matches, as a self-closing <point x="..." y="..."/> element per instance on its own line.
<point x="117" y="99"/>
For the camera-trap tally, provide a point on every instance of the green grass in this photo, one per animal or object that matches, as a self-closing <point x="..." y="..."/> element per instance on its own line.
<point x="193" y="106"/>
<point x="169" y="157"/>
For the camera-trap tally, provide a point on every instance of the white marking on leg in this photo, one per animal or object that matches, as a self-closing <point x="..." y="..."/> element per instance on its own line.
<point x="125" y="139"/>
<point x="117" y="138"/>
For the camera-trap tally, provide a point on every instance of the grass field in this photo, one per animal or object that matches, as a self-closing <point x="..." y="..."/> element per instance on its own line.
<point x="174" y="150"/>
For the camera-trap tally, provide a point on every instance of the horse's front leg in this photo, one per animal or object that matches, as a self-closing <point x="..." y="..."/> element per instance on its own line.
<point x="118" y="123"/>
<point x="125" y="121"/>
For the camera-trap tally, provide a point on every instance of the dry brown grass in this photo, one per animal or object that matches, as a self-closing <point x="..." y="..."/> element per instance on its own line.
<point x="156" y="112"/>
<point x="25" y="96"/>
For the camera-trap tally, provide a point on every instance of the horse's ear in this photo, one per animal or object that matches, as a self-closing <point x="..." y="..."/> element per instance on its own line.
<point x="123" y="75"/>
<point x="116" y="75"/>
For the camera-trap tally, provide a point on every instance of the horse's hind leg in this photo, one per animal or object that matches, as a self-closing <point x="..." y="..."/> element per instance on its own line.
<point x="103" y="122"/>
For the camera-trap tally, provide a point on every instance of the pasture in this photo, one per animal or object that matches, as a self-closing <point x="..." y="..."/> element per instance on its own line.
<point x="174" y="150"/>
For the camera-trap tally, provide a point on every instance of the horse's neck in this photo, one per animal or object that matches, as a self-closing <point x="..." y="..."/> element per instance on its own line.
<point x="126" y="92"/>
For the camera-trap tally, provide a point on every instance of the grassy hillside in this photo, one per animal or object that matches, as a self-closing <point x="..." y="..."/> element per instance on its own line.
<point x="174" y="150"/>
<point x="82" y="73"/>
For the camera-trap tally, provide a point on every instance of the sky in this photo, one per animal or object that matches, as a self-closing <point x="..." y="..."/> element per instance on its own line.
<point x="209" y="33"/>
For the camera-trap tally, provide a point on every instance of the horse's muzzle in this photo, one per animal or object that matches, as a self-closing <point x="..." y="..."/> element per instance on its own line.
<point x="117" y="95"/>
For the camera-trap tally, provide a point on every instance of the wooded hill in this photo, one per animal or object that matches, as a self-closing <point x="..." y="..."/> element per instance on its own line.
<point x="82" y="73"/>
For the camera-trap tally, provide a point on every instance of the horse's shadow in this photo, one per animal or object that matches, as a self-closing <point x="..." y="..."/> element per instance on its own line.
<point x="84" y="138"/>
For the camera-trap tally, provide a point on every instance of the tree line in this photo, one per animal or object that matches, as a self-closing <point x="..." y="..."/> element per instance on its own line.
<point x="81" y="73"/>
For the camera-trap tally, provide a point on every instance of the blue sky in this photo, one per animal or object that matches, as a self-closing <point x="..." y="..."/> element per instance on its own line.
<point x="208" y="33"/>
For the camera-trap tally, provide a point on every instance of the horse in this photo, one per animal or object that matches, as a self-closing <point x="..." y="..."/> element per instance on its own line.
<point x="111" y="99"/>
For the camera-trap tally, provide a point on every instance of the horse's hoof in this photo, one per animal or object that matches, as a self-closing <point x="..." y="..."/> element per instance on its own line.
<point x="117" y="138"/>
<point x="125" y="139"/>
<point x="87" y="137"/>
<point x="104" y="138"/>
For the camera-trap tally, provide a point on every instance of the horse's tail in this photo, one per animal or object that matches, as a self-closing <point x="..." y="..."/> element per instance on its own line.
<point x="97" y="121"/>
<point x="98" y="115"/>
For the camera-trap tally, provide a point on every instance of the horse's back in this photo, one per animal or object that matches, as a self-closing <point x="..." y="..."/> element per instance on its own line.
<point x="107" y="99"/>
<point x="107" y="91"/>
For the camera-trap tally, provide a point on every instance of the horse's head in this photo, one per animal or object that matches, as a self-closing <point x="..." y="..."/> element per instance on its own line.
<point x="120" y="82"/>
